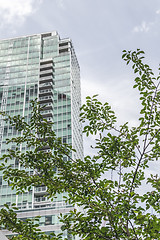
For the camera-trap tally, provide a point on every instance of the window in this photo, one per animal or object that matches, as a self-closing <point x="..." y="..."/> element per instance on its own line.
<point x="0" y="180"/>
<point x="5" y="131"/>
<point x="48" y="220"/>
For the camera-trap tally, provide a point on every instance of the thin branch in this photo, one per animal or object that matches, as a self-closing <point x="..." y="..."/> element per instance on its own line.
<point x="152" y="139"/>
<point x="133" y="229"/>
<point x="145" y="141"/>
<point x="153" y="102"/>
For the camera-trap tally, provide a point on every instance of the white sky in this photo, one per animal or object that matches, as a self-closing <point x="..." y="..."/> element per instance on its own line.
<point x="100" y="30"/>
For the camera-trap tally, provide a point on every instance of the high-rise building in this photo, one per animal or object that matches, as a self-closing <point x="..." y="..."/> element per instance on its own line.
<point x="39" y="66"/>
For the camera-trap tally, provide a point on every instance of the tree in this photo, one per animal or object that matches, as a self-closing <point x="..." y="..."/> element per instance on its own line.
<point x="110" y="208"/>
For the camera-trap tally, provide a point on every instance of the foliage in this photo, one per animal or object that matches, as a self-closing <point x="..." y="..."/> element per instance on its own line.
<point x="110" y="208"/>
<point x="28" y="230"/>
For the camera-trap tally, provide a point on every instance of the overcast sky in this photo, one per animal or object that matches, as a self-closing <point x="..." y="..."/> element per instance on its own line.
<point x="100" y="30"/>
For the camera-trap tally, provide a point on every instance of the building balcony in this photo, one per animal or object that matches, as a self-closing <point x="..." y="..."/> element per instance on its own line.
<point x="64" y="44"/>
<point x="45" y="92"/>
<point x="63" y="50"/>
<point x="47" y="114"/>
<point x="46" y="79"/>
<point x="39" y="199"/>
<point x="46" y="61"/>
<point x="48" y="118"/>
<point x="46" y="106"/>
<point x="46" y="99"/>
<point x="45" y="148"/>
<point x="46" y="67"/>
<point x="46" y="85"/>
<point x="40" y="191"/>
<point x="46" y="73"/>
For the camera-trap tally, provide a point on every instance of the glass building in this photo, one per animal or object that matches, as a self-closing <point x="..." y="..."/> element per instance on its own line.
<point x="39" y="66"/>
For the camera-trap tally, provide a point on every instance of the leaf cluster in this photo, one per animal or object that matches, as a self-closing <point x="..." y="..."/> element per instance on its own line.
<point x="106" y="188"/>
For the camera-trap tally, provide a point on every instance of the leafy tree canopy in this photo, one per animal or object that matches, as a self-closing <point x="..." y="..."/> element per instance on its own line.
<point x="110" y="208"/>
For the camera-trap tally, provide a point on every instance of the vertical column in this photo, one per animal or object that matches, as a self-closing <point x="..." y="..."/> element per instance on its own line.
<point x="4" y="98"/>
<point x="3" y="109"/>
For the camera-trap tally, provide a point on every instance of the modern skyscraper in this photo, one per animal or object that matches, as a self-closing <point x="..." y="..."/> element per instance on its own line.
<point x="40" y="66"/>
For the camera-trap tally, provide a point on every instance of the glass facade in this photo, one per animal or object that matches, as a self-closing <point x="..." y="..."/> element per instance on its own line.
<point x="40" y="66"/>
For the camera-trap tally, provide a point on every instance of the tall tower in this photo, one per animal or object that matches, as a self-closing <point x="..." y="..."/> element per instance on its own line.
<point x="40" y="66"/>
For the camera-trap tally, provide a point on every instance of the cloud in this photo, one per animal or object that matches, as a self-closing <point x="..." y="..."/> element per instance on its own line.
<point x="61" y="4"/>
<point x="121" y="96"/>
<point x="144" y="27"/>
<point x="158" y="11"/>
<point x="15" y="12"/>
